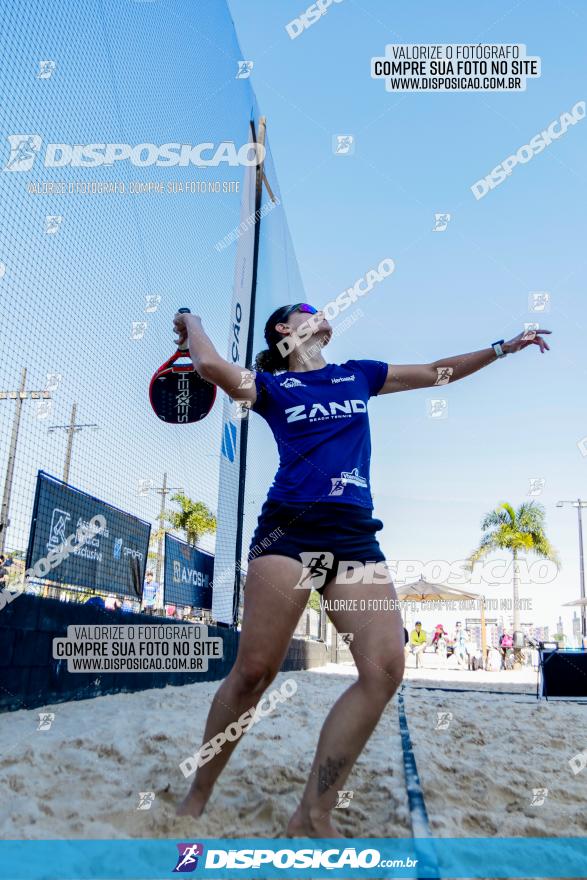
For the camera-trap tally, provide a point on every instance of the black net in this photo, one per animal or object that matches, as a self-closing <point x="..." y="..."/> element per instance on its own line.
<point x="107" y="230"/>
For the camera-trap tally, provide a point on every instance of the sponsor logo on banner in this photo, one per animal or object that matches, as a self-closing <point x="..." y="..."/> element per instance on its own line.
<point x="229" y="441"/>
<point x="183" y="574"/>
<point x="58" y="528"/>
<point x="87" y="560"/>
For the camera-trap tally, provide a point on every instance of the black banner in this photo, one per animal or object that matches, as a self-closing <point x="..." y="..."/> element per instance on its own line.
<point x="564" y="673"/>
<point x="112" y="561"/>
<point x="188" y="574"/>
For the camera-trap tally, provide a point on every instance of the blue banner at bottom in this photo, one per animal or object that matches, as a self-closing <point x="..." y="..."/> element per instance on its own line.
<point x="536" y="857"/>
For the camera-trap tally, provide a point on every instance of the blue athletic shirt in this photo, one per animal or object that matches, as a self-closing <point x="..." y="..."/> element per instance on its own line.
<point x="320" y="422"/>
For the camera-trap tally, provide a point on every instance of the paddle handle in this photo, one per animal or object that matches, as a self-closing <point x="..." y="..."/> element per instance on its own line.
<point x="185" y="346"/>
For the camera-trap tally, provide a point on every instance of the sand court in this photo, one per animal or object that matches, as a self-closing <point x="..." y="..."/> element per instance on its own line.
<point x="489" y="764"/>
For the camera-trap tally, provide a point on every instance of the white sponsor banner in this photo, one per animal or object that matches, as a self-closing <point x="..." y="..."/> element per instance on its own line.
<point x="225" y="556"/>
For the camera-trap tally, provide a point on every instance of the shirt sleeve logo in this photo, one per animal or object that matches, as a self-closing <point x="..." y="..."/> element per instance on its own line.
<point x="293" y="383"/>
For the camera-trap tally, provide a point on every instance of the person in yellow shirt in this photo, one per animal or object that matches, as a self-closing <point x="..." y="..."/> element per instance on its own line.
<point x="417" y="643"/>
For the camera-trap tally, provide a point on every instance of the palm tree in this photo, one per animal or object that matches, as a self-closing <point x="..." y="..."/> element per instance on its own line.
<point x="194" y="518"/>
<point x="521" y="530"/>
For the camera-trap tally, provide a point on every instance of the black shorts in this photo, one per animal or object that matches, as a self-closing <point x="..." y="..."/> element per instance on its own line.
<point x="346" y="531"/>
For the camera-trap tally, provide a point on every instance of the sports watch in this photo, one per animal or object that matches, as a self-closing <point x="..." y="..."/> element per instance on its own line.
<point x="497" y="347"/>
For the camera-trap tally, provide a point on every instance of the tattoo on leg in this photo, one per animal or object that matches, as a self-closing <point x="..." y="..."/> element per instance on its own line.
<point x="328" y="773"/>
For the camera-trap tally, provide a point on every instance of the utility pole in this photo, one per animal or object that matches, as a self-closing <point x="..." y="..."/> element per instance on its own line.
<point x="579" y="505"/>
<point x="71" y="429"/>
<point x="164" y="491"/>
<point x="19" y="396"/>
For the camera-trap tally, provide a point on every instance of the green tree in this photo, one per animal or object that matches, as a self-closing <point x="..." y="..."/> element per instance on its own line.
<point x="517" y="531"/>
<point x="194" y="518"/>
<point x="314" y="600"/>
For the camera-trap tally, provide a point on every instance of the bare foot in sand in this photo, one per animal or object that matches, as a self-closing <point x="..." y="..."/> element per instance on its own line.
<point x="312" y="823"/>
<point x="193" y="804"/>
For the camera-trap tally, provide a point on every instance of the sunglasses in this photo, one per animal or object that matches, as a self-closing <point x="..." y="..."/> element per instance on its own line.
<point x="300" y="307"/>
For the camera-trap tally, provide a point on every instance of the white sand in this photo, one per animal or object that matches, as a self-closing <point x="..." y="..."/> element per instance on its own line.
<point x="479" y="774"/>
<point x="81" y="778"/>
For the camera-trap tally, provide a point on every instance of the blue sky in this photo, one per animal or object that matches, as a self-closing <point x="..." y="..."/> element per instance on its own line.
<point x="156" y="72"/>
<point x="452" y="292"/>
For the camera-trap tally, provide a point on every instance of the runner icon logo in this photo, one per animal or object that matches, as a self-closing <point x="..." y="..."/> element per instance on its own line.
<point x="146" y="799"/>
<point x="444" y="719"/>
<point x="46" y="719"/>
<point x="187" y="860"/>
<point x="343" y="800"/>
<point x="316" y="566"/>
<point x="244" y="69"/>
<point x="23" y="151"/>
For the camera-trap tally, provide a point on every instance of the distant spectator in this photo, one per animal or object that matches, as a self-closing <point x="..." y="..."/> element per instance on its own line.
<point x="150" y="590"/>
<point x="506" y="643"/>
<point x="112" y="603"/>
<point x="494" y="659"/>
<point x="3" y="572"/>
<point x="417" y="642"/>
<point x="95" y="600"/>
<point x="439" y="634"/>
<point x="440" y="643"/>
<point x="460" y="641"/>
<point x="473" y="655"/>
<point x="170" y="611"/>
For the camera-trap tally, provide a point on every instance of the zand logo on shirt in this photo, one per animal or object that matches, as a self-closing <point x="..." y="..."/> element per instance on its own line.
<point x="332" y="409"/>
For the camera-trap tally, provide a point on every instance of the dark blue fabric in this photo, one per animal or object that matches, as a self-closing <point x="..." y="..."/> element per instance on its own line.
<point x="320" y="422"/>
<point x="292" y="529"/>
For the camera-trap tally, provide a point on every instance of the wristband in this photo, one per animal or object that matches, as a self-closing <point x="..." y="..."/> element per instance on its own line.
<point x="497" y="347"/>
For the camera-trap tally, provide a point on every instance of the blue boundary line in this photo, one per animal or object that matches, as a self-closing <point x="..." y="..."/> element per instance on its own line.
<point x="426" y="687"/>
<point x="427" y="867"/>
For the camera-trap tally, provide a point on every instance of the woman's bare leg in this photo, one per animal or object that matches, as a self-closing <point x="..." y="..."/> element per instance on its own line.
<point x="272" y="609"/>
<point x="378" y="651"/>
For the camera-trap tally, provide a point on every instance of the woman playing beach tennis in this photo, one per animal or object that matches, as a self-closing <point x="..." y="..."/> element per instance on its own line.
<point x="319" y="533"/>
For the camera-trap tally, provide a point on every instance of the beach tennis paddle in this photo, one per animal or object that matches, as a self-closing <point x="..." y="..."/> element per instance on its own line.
<point x="178" y="394"/>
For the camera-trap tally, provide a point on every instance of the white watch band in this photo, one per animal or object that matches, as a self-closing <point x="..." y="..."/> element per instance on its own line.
<point x="496" y="346"/>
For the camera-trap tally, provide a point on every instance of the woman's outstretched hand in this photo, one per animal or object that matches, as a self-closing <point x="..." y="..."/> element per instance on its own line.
<point x="526" y="338"/>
